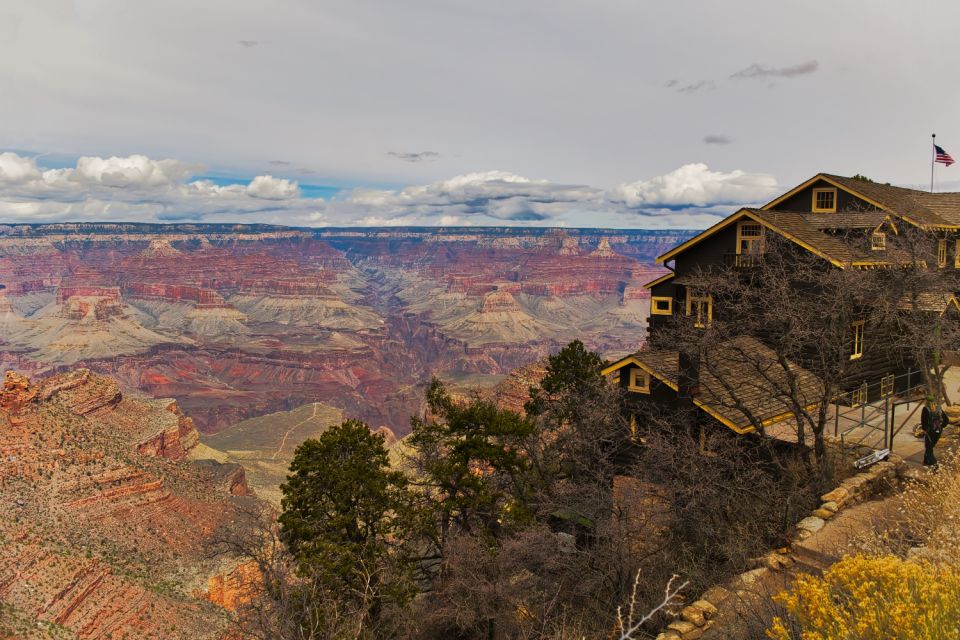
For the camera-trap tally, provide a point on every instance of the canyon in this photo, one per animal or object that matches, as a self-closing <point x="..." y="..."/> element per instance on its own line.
<point x="241" y="321"/>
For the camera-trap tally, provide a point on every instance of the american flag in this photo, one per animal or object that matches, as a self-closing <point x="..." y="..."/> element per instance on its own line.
<point x="942" y="156"/>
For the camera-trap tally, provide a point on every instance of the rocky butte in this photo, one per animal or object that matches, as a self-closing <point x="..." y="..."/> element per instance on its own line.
<point x="238" y="321"/>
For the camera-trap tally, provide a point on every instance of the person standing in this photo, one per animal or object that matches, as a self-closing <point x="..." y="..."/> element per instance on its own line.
<point x="932" y="421"/>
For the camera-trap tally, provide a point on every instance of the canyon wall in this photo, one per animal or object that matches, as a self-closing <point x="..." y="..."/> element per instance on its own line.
<point x="237" y="321"/>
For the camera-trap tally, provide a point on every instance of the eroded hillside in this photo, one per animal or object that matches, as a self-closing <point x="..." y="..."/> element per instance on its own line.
<point x="107" y="526"/>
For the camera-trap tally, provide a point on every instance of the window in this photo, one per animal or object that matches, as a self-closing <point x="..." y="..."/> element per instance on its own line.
<point x="879" y="241"/>
<point x="749" y="243"/>
<point x="700" y="307"/>
<point x="941" y="253"/>
<point x="639" y="381"/>
<point x="825" y="200"/>
<point x="956" y="255"/>
<point x="857" y="340"/>
<point x="661" y="306"/>
<point x="886" y="385"/>
<point x="859" y="395"/>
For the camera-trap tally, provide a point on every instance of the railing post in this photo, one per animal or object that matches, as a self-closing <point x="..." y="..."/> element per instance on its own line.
<point x="836" y="417"/>
<point x="886" y="420"/>
<point x="893" y="425"/>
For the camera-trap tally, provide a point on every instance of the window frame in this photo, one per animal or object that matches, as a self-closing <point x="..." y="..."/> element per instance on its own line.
<point x="956" y="254"/>
<point x="661" y="312"/>
<point x="831" y="209"/>
<point x="887" y="383"/>
<point x="632" y="381"/>
<point x="860" y="395"/>
<point x="751" y="240"/>
<point x="858" y="336"/>
<point x="700" y="299"/>
<point x="941" y="253"/>
<point x="878" y="246"/>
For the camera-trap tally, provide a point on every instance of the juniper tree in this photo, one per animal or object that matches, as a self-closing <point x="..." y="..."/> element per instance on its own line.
<point x="349" y="520"/>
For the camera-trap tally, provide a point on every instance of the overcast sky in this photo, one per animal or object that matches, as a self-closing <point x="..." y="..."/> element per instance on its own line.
<point x="626" y="113"/>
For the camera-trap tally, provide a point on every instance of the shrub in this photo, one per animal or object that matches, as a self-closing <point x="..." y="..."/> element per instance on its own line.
<point x="869" y="598"/>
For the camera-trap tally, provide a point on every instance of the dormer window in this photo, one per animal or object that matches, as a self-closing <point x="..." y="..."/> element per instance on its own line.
<point x="824" y="200"/>
<point x="639" y="381"/>
<point x="878" y="241"/>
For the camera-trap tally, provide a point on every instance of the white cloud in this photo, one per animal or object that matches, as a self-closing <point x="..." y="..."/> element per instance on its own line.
<point x="140" y="188"/>
<point x="695" y="185"/>
<point x="14" y="168"/>
<point x="132" y="171"/>
<point x="270" y="188"/>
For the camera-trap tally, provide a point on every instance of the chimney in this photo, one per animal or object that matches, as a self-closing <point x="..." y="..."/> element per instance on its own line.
<point x="688" y="384"/>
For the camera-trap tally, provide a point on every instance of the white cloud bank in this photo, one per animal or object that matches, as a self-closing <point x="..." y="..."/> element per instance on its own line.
<point x="138" y="188"/>
<point x="695" y="185"/>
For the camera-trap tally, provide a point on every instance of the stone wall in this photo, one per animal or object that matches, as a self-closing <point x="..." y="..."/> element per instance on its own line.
<point x="705" y="613"/>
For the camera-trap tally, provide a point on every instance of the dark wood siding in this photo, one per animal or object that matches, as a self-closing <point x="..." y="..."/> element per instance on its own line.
<point x="802" y="201"/>
<point x="707" y="252"/>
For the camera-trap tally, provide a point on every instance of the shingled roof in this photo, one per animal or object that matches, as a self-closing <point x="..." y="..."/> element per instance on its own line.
<point x="920" y="207"/>
<point x="798" y="228"/>
<point x="843" y="220"/>
<point x="737" y="377"/>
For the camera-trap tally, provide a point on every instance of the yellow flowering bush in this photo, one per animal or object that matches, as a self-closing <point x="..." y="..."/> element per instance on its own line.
<point x="872" y="598"/>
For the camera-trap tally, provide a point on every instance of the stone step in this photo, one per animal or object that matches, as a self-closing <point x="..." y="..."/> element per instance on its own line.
<point x="809" y="560"/>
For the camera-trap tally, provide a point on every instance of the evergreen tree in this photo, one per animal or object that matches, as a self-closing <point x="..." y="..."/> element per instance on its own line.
<point x="472" y="457"/>
<point x="346" y="517"/>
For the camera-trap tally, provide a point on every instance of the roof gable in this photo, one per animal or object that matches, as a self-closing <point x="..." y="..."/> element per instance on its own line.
<point x="920" y="208"/>
<point x="791" y="226"/>
<point x="742" y="362"/>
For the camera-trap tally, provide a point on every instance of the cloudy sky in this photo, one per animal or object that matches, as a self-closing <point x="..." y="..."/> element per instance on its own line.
<point x="624" y="113"/>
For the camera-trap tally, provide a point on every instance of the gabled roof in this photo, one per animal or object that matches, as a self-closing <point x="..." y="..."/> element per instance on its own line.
<point x="754" y="380"/>
<point x="844" y="220"/>
<point x="659" y="280"/>
<point x="794" y="227"/>
<point x="921" y="208"/>
<point x="930" y="301"/>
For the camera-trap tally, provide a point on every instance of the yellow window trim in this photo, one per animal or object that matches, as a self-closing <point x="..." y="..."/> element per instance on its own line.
<point x="639" y="380"/>
<point x="816" y="192"/>
<point x="741" y="237"/>
<point x="700" y="299"/>
<point x="857" y="339"/>
<point x="886" y="385"/>
<point x="878" y="241"/>
<point x="941" y="253"/>
<point x="661" y="312"/>
<point x="956" y="254"/>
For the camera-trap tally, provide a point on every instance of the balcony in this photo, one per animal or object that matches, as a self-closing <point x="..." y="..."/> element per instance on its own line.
<point x="743" y="260"/>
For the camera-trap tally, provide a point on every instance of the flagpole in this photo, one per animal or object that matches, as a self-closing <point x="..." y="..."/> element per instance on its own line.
<point x="933" y="156"/>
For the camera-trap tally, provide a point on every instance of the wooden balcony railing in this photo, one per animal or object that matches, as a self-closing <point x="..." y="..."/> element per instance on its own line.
<point x="743" y="260"/>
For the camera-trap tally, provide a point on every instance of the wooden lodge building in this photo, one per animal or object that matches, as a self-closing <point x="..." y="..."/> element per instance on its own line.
<point x="845" y="222"/>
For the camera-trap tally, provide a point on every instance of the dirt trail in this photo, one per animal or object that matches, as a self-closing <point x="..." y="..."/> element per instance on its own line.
<point x="283" y="442"/>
